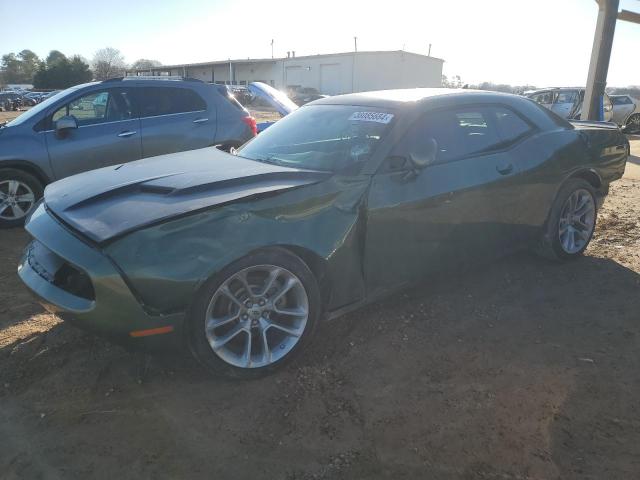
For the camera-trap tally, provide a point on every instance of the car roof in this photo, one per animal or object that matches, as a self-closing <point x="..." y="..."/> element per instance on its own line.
<point x="412" y="96"/>
<point x="154" y="80"/>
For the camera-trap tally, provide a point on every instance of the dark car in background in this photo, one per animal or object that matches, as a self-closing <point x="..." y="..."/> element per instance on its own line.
<point x="340" y="202"/>
<point x="303" y="95"/>
<point x="109" y="123"/>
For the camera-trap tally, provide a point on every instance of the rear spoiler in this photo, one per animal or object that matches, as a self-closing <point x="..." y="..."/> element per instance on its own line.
<point x="594" y="124"/>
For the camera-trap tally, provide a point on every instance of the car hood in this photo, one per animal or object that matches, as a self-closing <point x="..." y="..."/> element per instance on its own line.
<point x="109" y="202"/>
<point x="278" y="100"/>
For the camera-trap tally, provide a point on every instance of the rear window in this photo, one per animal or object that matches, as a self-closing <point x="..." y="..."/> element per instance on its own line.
<point x="156" y="101"/>
<point x="620" y="100"/>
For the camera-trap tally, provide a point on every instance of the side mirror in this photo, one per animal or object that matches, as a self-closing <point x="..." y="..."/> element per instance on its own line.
<point x="65" y="124"/>
<point x="426" y="155"/>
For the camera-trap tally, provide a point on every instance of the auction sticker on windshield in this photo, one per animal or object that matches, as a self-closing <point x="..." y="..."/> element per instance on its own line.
<point x="371" y="117"/>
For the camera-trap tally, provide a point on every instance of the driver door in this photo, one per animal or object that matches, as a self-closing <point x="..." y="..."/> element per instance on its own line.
<point x="107" y="133"/>
<point x="450" y="212"/>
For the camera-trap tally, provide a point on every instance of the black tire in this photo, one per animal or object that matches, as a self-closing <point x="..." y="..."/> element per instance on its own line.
<point x="197" y="339"/>
<point x="550" y="246"/>
<point x="633" y="124"/>
<point x="26" y="178"/>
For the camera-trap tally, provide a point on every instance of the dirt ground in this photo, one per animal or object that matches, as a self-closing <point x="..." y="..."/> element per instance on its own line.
<point x="8" y="116"/>
<point x="523" y="369"/>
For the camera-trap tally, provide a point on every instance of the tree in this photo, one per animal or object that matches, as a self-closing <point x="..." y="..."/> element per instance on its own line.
<point x="30" y="64"/>
<point x="11" y="69"/>
<point x="61" y="72"/>
<point x="455" y="82"/>
<point x="19" y="68"/>
<point x="145" y="64"/>
<point x="108" y="63"/>
<point x="54" y="57"/>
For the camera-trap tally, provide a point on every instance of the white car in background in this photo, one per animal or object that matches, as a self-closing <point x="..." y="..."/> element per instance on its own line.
<point x="567" y="102"/>
<point x="626" y="112"/>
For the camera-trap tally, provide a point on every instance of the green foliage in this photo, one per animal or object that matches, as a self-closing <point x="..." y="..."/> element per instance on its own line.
<point x="62" y="72"/>
<point x="19" y="68"/>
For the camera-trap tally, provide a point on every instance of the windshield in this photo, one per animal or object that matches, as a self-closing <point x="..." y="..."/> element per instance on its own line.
<point x="42" y="106"/>
<point x="321" y="137"/>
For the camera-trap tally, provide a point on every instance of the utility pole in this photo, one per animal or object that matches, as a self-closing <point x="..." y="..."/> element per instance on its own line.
<point x="272" y="48"/>
<point x="429" y="54"/>
<point x="355" y="44"/>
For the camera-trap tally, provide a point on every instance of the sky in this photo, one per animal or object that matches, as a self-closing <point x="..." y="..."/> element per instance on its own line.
<point x="542" y="43"/>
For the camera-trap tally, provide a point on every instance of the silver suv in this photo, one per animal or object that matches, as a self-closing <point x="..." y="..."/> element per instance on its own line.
<point x="626" y="113"/>
<point x="567" y="102"/>
<point x="108" y="123"/>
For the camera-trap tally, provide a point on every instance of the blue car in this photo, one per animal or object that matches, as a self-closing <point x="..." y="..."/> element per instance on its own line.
<point x="107" y="123"/>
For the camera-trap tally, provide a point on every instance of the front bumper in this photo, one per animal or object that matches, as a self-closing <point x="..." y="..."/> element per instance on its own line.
<point x="77" y="281"/>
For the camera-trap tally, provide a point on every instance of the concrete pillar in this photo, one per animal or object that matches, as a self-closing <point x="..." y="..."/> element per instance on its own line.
<point x="600" y="55"/>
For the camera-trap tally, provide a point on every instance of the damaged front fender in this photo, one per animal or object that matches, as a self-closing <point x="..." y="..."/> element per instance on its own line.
<point x="167" y="263"/>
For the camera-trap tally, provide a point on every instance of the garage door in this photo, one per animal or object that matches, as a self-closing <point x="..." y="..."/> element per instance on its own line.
<point x="293" y="76"/>
<point x="330" y="79"/>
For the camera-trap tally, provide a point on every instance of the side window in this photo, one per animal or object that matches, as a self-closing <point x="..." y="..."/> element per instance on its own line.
<point x="510" y="126"/>
<point x="543" y="98"/>
<point x="566" y="97"/>
<point x="156" y="101"/>
<point x="465" y="132"/>
<point x="458" y="133"/>
<point x="190" y="101"/>
<point x="98" y="107"/>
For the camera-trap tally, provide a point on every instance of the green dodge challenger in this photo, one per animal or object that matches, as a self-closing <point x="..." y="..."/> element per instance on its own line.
<point x="239" y="256"/>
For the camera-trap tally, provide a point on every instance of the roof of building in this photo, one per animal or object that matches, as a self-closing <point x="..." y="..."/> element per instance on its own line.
<point x="276" y="59"/>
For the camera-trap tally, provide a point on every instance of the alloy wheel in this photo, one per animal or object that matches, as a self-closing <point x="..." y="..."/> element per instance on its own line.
<point x="16" y="199"/>
<point x="633" y="124"/>
<point x="257" y="316"/>
<point x="577" y="221"/>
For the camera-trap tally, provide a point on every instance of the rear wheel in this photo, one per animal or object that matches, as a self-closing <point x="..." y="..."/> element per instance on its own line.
<point x="633" y="123"/>
<point x="255" y="315"/>
<point x="19" y="192"/>
<point x="571" y="221"/>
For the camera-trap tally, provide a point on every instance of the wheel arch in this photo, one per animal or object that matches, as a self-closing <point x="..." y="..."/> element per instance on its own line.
<point x="27" y="167"/>
<point x="316" y="264"/>
<point x="587" y="174"/>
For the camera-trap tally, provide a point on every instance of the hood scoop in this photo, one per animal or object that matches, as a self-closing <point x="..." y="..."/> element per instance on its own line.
<point x="109" y="202"/>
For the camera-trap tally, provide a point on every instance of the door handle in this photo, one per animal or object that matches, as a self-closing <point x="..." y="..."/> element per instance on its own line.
<point x="127" y="133"/>
<point x="200" y="120"/>
<point x="504" y="169"/>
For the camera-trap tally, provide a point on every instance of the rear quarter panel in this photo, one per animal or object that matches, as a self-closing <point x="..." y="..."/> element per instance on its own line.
<point x="608" y="149"/>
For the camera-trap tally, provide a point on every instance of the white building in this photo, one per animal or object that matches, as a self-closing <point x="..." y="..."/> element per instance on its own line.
<point x="330" y="74"/>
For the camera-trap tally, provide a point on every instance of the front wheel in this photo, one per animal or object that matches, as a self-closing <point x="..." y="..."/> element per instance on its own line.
<point x="255" y="315"/>
<point x="19" y="192"/>
<point x="571" y="221"/>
